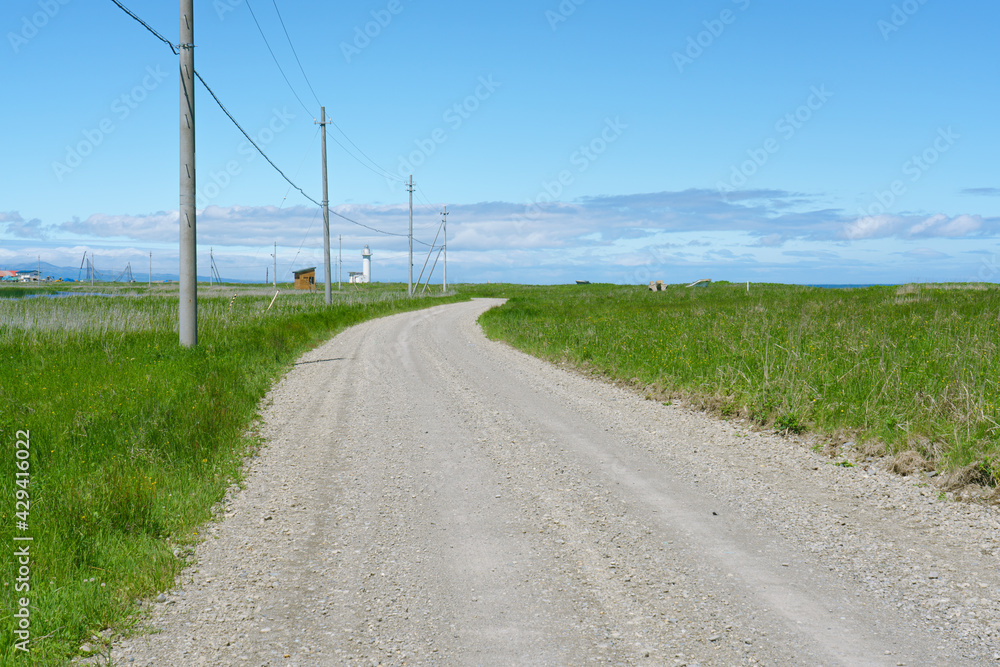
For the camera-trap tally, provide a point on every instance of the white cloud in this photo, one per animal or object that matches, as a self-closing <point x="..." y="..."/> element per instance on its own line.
<point x="618" y="237"/>
<point x="910" y="226"/>
<point x="871" y="227"/>
<point x="17" y="226"/>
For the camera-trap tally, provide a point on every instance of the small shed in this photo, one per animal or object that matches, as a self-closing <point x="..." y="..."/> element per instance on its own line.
<point x="306" y="278"/>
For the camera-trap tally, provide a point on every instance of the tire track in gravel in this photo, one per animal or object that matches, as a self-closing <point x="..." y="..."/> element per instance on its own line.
<point x="430" y="497"/>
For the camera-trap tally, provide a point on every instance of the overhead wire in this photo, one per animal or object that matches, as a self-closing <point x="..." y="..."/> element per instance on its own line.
<point x="240" y="128"/>
<point x="275" y="58"/>
<point x="421" y="195"/>
<point x="299" y="251"/>
<point x="361" y="224"/>
<point x="304" y="158"/>
<point x="315" y="211"/>
<point x="215" y="97"/>
<point x="378" y="169"/>
<point x="294" y="52"/>
<point x="146" y="26"/>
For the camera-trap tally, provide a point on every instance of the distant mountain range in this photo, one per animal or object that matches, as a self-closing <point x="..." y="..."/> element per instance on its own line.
<point x="75" y="273"/>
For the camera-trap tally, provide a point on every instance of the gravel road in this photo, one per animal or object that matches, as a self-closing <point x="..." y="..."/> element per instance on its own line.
<point x="428" y="497"/>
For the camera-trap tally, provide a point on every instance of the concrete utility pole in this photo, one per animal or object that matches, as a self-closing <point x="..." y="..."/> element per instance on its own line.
<point x="444" y="282"/>
<point x="409" y="187"/>
<point x="326" y="212"/>
<point x="340" y="257"/>
<point x="188" y="315"/>
<point x="275" y="256"/>
<point x="211" y="265"/>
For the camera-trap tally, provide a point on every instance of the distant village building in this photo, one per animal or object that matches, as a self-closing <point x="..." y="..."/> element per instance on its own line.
<point x="306" y="278"/>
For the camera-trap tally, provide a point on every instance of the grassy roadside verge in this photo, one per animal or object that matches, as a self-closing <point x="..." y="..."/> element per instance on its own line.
<point x="133" y="439"/>
<point x="897" y="368"/>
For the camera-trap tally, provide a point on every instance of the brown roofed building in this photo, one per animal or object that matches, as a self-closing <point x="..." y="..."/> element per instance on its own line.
<point x="306" y="278"/>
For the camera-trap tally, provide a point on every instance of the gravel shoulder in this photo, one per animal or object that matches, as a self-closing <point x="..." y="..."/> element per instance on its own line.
<point x="427" y="496"/>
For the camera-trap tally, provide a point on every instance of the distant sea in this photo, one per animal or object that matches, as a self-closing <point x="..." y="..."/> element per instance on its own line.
<point x="852" y="286"/>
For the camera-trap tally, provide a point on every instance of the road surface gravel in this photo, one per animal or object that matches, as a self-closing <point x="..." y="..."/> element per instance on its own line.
<point x="429" y="497"/>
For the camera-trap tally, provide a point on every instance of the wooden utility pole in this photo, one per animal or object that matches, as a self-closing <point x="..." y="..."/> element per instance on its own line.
<point x="326" y="212"/>
<point x="188" y="314"/>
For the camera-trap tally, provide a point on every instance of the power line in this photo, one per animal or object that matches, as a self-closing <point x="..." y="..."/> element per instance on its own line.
<point x="244" y="132"/>
<point x="378" y="170"/>
<point x="288" y="37"/>
<point x="240" y="128"/>
<point x="379" y="231"/>
<point x="421" y="195"/>
<point x="355" y="222"/>
<point x="146" y="26"/>
<point x="384" y="173"/>
<point x="275" y="58"/>
<point x="304" y="157"/>
<point x="299" y="251"/>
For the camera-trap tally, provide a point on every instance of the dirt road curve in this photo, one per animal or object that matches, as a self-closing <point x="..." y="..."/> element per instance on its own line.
<point x="430" y="497"/>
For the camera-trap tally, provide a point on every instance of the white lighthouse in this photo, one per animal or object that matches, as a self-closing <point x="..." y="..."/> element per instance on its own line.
<point x="366" y="264"/>
<point x="365" y="275"/>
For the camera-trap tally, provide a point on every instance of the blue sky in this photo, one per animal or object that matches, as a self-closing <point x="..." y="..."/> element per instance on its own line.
<point x="848" y="142"/>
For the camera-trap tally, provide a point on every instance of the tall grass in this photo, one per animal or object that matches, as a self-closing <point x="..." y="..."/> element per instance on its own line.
<point x="912" y="367"/>
<point x="134" y="438"/>
<point x="21" y="291"/>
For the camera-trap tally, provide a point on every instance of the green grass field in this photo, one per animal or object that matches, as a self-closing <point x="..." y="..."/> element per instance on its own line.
<point x="894" y="368"/>
<point x="134" y="439"/>
<point x="17" y="291"/>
